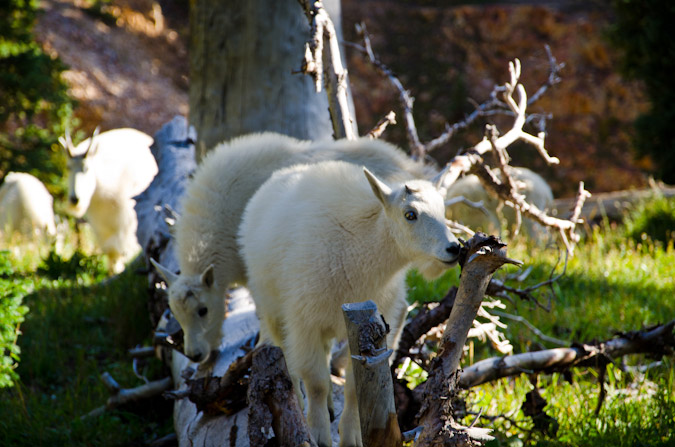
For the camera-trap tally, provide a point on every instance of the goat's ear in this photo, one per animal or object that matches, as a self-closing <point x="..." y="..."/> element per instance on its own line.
<point x="381" y="191"/>
<point x="169" y="276"/>
<point x="208" y="276"/>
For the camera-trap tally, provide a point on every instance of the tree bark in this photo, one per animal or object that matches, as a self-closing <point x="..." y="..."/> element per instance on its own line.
<point x="273" y="404"/>
<point x="244" y="55"/>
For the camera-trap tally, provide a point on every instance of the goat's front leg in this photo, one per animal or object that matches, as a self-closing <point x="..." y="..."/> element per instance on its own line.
<point x="350" y="425"/>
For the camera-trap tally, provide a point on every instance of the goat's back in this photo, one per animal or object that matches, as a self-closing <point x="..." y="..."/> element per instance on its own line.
<point x="124" y="163"/>
<point x="25" y="205"/>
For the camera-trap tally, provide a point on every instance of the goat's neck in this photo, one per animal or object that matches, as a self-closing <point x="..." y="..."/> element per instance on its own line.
<point x="388" y="259"/>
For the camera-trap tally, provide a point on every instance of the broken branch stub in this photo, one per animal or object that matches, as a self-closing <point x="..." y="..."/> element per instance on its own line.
<point x="366" y="332"/>
<point x="480" y="257"/>
<point x="273" y="404"/>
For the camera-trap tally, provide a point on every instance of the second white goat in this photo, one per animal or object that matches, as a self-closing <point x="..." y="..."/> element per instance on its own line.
<point x="105" y="172"/>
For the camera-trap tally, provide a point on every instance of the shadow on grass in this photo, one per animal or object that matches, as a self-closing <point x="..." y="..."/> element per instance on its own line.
<point x="74" y="331"/>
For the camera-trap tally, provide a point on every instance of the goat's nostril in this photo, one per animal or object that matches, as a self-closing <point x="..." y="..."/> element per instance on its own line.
<point x="196" y="357"/>
<point x="73" y="200"/>
<point x="453" y="249"/>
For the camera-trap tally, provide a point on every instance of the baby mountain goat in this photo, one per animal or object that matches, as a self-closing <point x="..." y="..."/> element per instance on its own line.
<point x="314" y="237"/>
<point x="106" y="172"/>
<point x="530" y="184"/>
<point x="211" y="211"/>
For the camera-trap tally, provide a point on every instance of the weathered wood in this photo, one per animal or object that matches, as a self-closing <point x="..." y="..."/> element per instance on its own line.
<point x="480" y="258"/>
<point x="366" y="332"/>
<point x="273" y="404"/>
<point x="422" y="323"/>
<point x="610" y="204"/>
<point x="659" y="341"/>
<point x="120" y="396"/>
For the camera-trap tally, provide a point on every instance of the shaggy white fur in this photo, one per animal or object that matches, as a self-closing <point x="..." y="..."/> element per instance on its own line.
<point x="105" y="172"/>
<point x="211" y="211"/>
<point x="26" y="207"/>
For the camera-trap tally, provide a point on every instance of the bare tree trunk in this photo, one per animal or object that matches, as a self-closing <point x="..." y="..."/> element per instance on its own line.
<point x="245" y="58"/>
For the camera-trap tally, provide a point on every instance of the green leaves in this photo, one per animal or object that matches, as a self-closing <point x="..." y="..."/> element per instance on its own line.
<point x="12" y="312"/>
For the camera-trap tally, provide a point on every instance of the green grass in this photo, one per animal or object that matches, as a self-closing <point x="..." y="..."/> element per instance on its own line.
<point x="78" y="325"/>
<point x="621" y="278"/>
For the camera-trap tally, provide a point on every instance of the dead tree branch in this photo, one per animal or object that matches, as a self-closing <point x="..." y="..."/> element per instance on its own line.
<point x="328" y="68"/>
<point x="381" y="126"/>
<point x="481" y="257"/>
<point x="120" y="396"/>
<point x="505" y="188"/>
<point x="658" y="341"/>
<point x="215" y="395"/>
<point x="492" y="106"/>
<point x="417" y="149"/>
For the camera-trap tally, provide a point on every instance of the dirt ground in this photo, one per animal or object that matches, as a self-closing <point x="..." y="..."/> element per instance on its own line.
<point x="127" y="68"/>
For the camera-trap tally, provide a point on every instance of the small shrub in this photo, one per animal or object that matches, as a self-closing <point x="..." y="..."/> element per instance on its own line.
<point x="653" y="219"/>
<point x="12" y="313"/>
<point x="54" y="266"/>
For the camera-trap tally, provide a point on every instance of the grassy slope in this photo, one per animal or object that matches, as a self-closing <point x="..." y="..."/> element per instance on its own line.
<point x="612" y="284"/>
<point x="77" y="327"/>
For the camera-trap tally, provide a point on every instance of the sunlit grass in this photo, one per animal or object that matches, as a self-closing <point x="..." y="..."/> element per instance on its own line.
<point x="615" y="282"/>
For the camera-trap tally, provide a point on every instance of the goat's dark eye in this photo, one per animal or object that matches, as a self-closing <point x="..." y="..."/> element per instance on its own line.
<point x="410" y="215"/>
<point x="202" y="311"/>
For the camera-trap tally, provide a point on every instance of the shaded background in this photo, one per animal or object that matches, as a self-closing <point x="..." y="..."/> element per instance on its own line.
<point x="128" y="66"/>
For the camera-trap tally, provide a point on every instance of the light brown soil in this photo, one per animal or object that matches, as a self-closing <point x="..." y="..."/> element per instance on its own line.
<point x="128" y="70"/>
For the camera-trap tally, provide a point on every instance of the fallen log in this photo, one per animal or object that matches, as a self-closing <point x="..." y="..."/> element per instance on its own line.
<point x="658" y="341"/>
<point x="613" y="205"/>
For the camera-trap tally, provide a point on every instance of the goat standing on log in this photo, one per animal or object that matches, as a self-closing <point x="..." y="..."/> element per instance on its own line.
<point x="105" y="172"/>
<point x="211" y="211"/>
<point x="317" y="236"/>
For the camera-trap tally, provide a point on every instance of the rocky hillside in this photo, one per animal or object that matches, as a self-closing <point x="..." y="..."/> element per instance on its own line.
<point x="128" y="67"/>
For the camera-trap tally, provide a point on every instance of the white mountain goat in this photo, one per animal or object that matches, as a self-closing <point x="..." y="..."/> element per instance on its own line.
<point x="531" y="185"/>
<point x="106" y="172"/>
<point x="317" y="236"/>
<point x="211" y="210"/>
<point x="26" y="207"/>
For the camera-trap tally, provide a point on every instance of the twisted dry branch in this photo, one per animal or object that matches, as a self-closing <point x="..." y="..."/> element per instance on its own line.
<point x="323" y="30"/>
